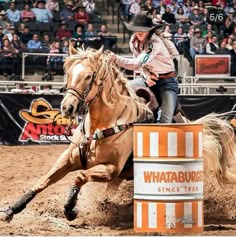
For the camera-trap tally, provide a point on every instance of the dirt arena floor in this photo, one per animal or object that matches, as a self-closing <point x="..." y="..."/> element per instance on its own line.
<point x="22" y="166"/>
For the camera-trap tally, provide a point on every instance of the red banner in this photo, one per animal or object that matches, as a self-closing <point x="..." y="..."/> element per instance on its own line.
<point x="212" y="65"/>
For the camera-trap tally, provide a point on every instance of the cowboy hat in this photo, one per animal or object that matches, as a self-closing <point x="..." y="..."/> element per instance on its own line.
<point x="142" y="22"/>
<point x="41" y="113"/>
<point x="2" y="12"/>
<point x="231" y="11"/>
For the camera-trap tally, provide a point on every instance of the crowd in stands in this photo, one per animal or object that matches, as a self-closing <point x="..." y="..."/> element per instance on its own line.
<point x="187" y="24"/>
<point x="48" y="27"/>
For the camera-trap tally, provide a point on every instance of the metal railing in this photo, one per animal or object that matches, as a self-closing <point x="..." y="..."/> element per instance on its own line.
<point x="25" y="54"/>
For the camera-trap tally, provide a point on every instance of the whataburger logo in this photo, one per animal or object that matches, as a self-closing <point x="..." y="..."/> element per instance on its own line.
<point x="43" y="123"/>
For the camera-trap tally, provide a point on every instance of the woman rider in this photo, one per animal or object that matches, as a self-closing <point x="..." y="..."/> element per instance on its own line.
<point x="153" y="59"/>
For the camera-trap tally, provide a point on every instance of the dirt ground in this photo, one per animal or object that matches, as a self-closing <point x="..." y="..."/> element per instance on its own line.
<point x="22" y="166"/>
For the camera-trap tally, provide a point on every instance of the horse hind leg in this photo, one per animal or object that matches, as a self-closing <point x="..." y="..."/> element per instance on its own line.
<point x="98" y="173"/>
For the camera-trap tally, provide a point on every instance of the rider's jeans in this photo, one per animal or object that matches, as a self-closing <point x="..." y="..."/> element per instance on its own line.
<point x="166" y="92"/>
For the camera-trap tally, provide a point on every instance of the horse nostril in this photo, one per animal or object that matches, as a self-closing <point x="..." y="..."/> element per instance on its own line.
<point x="70" y="110"/>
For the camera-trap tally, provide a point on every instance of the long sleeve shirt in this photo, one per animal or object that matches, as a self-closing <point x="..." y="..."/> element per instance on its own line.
<point x="152" y="57"/>
<point x="13" y="16"/>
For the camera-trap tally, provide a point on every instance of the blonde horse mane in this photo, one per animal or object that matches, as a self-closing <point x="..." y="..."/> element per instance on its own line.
<point x="219" y="148"/>
<point x="117" y="79"/>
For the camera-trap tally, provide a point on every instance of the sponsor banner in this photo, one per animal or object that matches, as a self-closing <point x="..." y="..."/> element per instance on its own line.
<point x="28" y="118"/>
<point x="33" y="119"/>
<point x="212" y="65"/>
<point x="176" y="178"/>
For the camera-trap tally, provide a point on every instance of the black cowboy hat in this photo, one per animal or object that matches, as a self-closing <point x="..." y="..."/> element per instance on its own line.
<point x="142" y="22"/>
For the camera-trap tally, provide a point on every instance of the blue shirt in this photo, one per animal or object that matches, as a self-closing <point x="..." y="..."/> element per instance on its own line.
<point x="13" y="16"/>
<point x="42" y="15"/>
<point x="33" y="44"/>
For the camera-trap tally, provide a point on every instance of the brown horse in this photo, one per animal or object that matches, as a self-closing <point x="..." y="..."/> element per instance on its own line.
<point x="103" y="142"/>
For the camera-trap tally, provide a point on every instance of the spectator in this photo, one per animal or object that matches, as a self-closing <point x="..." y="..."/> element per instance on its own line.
<point x="42" y="14"/>
<point x="230" y="13"/>
<point x="209" y="36"/>
<point x="52" y="5"/>
<point x="229" y="42"/>
<point x="91" y="38"/>
<point x="82" y="16"/>
<point x="3" y="4"/>
<point x="26" y="36"/>
<point x="55" y="62"/>
<point x="90" y="7"/>
<point x="180" y="38"/>
<point x="7" y="58"/>
<point x="174" y="6"/>
<point x="67" y="13"/>
<point x="156" y="18"/>
<point x="126" y="6"/>
<point x="107" y="39"/>
<point x="12" y="31"/>
<point x="167" y="32"/>
<point x="65" y="47"/>
<point x="161" y="9"/>
<point x="27" y="14"/>
<point x="20" y="29"/>
<point x="181" y="17"/>
<point x="197" y="43"/>
<point x="1" y="35"/>
<point x="18" y="46"/>
<point x="223" y="49"/>
<point x="233" y="59"/>
<point x="135" y="8"/>
<point x="211" y="47"/>
<point x="79" y="34"/>
<point x="168" y="16"/>
<point x="35" y="43"/>
<point x="63" y="32"/>
<point x="209" y="27"/>
<point x="13" y="15"/>
<point x="7" y="30"/>
<point x="3" y="19"/>
<point x="148" y="6"/>
<point x="196" y="18"/>
<point x="46" y="42"/>
<point x="187" y="7"/>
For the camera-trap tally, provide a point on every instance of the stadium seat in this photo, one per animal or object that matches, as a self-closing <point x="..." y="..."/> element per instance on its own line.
<point x="32" y="25"/>
<point x="44" y="27"/>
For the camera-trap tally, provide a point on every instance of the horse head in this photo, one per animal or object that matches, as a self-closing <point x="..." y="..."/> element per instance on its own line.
<point x="83" y="83"/>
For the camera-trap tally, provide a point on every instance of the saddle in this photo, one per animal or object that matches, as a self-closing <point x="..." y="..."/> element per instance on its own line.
<point x="151" y="101"/>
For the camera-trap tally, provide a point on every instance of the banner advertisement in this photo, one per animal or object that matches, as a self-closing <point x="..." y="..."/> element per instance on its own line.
<point x="36" y="119"/>
<point x="210" y="65"/>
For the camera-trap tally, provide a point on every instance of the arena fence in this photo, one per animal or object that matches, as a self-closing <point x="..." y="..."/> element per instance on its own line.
<point x="35" y="118"/>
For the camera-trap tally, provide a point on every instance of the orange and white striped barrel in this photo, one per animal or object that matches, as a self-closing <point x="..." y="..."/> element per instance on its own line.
<point x="168" y="217"/>
<point x="168" y="178"/>
<point x="169" y="140"/>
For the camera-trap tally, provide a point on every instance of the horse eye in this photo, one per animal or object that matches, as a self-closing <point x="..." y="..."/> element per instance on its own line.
<point x="88" y="77"/>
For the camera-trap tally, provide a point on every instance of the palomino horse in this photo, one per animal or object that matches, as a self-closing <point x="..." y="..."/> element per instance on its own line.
<point x="103" y="142"/>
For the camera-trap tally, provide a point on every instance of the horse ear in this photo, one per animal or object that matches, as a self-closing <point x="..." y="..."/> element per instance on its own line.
<point x="72" y="50"/>
<point x="99" y="52"/>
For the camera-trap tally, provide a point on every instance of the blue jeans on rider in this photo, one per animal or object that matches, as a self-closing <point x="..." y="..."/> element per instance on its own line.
<point x="166" y="92"/>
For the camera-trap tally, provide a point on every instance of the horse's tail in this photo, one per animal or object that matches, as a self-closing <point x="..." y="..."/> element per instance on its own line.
<point x="219" y="148"/>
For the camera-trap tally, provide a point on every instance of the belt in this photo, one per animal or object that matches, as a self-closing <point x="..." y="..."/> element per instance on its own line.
<point x="167" y="75"/>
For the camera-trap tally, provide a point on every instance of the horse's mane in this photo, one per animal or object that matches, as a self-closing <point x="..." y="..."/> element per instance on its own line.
<point x="117" y="78"/>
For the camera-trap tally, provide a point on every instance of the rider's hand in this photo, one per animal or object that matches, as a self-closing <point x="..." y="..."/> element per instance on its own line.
<point x="151" y="80"/>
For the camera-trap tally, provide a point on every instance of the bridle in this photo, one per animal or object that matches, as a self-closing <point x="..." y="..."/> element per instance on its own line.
<point x="83" y="103"/>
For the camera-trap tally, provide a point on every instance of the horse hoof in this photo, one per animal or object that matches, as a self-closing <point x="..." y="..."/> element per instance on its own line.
<point x="71" y="215"/>
<point x="6" y="215"/>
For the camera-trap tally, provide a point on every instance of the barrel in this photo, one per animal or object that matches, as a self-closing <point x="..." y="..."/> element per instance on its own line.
<point x="168" y="178"/>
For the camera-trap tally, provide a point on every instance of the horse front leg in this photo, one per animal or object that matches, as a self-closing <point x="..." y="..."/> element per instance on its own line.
<point x="63" y="165"/>
<point x="98" y="173"/>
